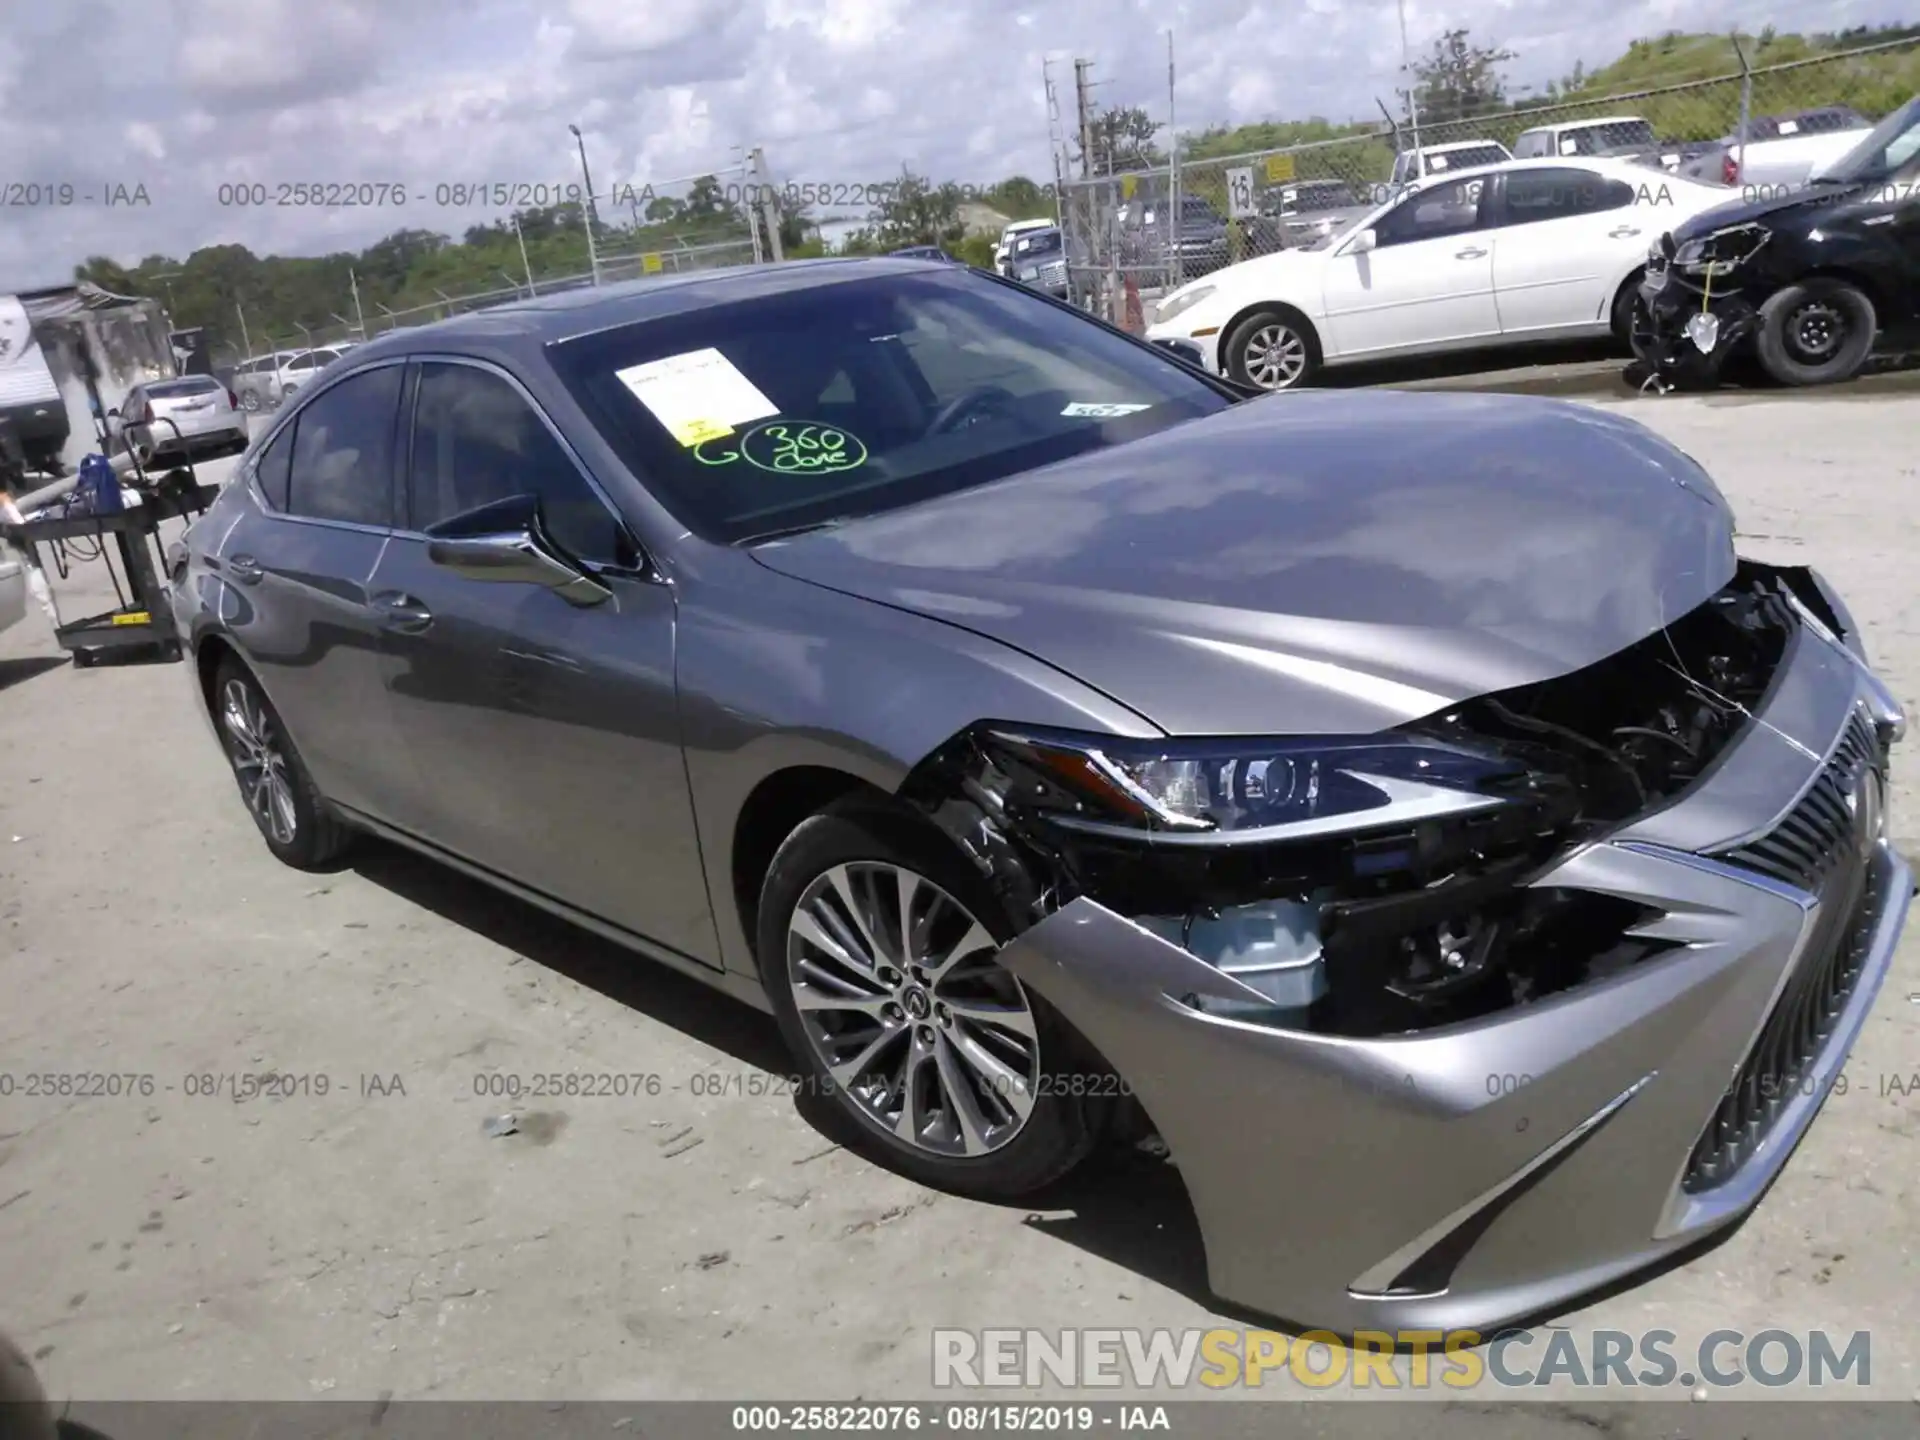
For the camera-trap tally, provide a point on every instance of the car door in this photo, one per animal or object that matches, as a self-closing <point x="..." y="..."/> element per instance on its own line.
<point x="545" y="734"/>
<point x="297" y="567"/>
<point x="1428" y="280"/>
<point x="1562" y="237"/>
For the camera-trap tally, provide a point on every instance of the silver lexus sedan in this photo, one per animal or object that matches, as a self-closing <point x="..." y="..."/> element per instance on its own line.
<point x="1406" y="805"/>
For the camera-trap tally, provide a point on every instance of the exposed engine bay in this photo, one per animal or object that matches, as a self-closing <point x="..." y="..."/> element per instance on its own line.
<point x="1406" y="907"/>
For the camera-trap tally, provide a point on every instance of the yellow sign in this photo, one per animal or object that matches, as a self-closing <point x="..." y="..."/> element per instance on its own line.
<point x="1127" y="184"/>
<point x="698" y="432"/>
<point x="651" y="264"/>
<point x="133" y="617"/>
<point x="1279" y="169"/>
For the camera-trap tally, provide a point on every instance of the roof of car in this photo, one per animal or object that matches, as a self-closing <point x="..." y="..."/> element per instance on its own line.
<point x="571" y="313"/>
<point x="1607" y="164"/>
<point x="1452" y="145"/>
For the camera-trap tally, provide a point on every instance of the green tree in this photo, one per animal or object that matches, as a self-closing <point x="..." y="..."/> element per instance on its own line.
<point x="1121" y="139"/>
<point x="1459" y="80"/>
<point x="918" y="212"/>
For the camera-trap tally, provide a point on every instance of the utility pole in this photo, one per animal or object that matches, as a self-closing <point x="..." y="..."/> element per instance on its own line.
<point x="524" y="263"/>
<point x="769" y="205"/>
<point x="359" y="316"/>
<point x="240" y="310"/>
<point x="1084" y="103"/>
<point x="1413" y="106"/>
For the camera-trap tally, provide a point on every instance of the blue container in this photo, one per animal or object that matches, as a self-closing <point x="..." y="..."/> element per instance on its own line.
<point x="100" y="486"/>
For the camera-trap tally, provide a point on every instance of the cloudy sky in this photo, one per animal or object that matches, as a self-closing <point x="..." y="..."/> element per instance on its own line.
<point x="182" y="96"/>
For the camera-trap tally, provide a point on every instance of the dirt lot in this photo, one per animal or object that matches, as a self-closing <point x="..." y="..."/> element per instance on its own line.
<point x="374" y="1240"/>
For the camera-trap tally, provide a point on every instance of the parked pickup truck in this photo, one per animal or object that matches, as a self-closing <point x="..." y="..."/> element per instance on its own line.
<point x="1782" y="151"/>
<point x="1615" y="137"/>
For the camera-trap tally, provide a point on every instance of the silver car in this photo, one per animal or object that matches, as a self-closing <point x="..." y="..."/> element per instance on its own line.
<point x="192" y="417"/>
<point x="1408" y="805"/>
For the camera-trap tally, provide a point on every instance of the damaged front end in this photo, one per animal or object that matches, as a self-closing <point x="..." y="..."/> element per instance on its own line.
<point x="1403" y="977"/>
<point x="1372" y="885"/>
<point x="1694" y="313"/>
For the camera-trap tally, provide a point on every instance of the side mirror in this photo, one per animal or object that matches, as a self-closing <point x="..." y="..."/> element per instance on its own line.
<point x="506" y="543"/>
<point x="1363" y="241"/>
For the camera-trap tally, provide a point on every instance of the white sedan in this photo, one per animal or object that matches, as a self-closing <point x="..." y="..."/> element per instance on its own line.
<point x="1524" y="251"/>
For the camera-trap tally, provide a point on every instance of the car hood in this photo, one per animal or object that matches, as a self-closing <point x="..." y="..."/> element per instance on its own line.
<point x="1779" y="207"/>
<point x="1311" y="563"/>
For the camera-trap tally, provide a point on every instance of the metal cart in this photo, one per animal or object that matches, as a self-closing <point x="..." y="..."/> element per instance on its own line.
<point x="144" y="616"/>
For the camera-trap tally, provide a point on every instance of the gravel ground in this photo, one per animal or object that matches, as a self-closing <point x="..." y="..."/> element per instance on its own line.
<point x="373" y="1240"/>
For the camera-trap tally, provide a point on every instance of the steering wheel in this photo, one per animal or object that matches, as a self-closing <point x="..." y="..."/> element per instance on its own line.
<point x="962" y="407"/>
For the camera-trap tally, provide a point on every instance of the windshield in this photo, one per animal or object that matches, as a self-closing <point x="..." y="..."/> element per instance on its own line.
<point x="1467" y="159"/>
<point x="853" y="397"/>
<point x="1884" y="151"/>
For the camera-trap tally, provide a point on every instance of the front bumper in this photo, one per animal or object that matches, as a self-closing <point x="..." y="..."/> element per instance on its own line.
<point x="1668" y="300"/>
<point x="1479" y="1174"/>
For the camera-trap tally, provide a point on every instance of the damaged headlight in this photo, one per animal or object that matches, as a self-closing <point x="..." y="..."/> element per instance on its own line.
<point x="1255" y="790"/>
<point x="1722" y="250"/>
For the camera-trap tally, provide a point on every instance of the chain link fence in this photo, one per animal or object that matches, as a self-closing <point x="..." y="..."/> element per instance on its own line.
<point x="1136" y="235"/>
<point x="712" y="221"/>
<point x="630" y="231"/>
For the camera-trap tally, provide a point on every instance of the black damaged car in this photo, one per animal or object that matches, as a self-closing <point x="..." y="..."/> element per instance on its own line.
<point x="1810" y="281"/>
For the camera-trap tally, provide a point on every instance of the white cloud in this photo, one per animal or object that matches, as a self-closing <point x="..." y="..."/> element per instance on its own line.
<point x="839" y="92"/>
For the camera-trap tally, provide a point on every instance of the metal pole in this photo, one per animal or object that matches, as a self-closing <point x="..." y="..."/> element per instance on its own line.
<point x="768" y="204"/>
<point x="1086" y="118"/>
<point x="1173" y="171"/>
<point x="524" y="264"/>
<point x="240" y="310"/>
<point x="586" y="175"/>
<point x="359" y="315"/>
<point x="1413" y="105"/>
<point x="593" y="255"/>
<point x="1746" y="110"/>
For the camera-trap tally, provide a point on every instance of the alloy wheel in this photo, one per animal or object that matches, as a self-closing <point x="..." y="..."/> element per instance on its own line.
<point x="259" y="761"/>
<point x="1275" y="356"/>
<point x="899" y="993"/>
<point x="1816" y="330"/>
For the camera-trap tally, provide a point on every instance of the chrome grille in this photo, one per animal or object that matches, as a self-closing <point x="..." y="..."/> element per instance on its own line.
<point x="1781" y="1062"/>
<point x="1803" y="847"/>
<point x="1822" y="846"/>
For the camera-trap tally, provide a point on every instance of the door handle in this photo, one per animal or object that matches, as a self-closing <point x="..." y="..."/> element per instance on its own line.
<point x="1471" y="253"/>
<point x="402" y="612"/>
<point x="245" y="569"/>
<point x="1621" y="232"/>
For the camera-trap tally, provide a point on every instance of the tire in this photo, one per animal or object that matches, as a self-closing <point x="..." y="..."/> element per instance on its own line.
<point x="250" y="402"/>
<point x="300" y="828"/>
<point x="983" y="1145"/>
<point x="1626" y="305"/>
<point x="1818" y="333"/>
<point x="1293" y="348"/>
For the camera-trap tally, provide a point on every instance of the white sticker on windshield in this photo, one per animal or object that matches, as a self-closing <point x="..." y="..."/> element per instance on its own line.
<point x="1102" y="411"/>
<point x="698" y="396"/>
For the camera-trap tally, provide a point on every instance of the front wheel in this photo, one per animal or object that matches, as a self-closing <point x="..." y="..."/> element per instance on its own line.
<point x="1271" y="349"/>
<point x="1818" y="333"/>
<point x="879" y="951"/>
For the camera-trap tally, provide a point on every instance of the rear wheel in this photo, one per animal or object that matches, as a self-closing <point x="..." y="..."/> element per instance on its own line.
<point x="1271" y="349"/>
<point x="879" y="951"/>
<point x="298" y="825"/>
<point x="1817" y="333"/>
